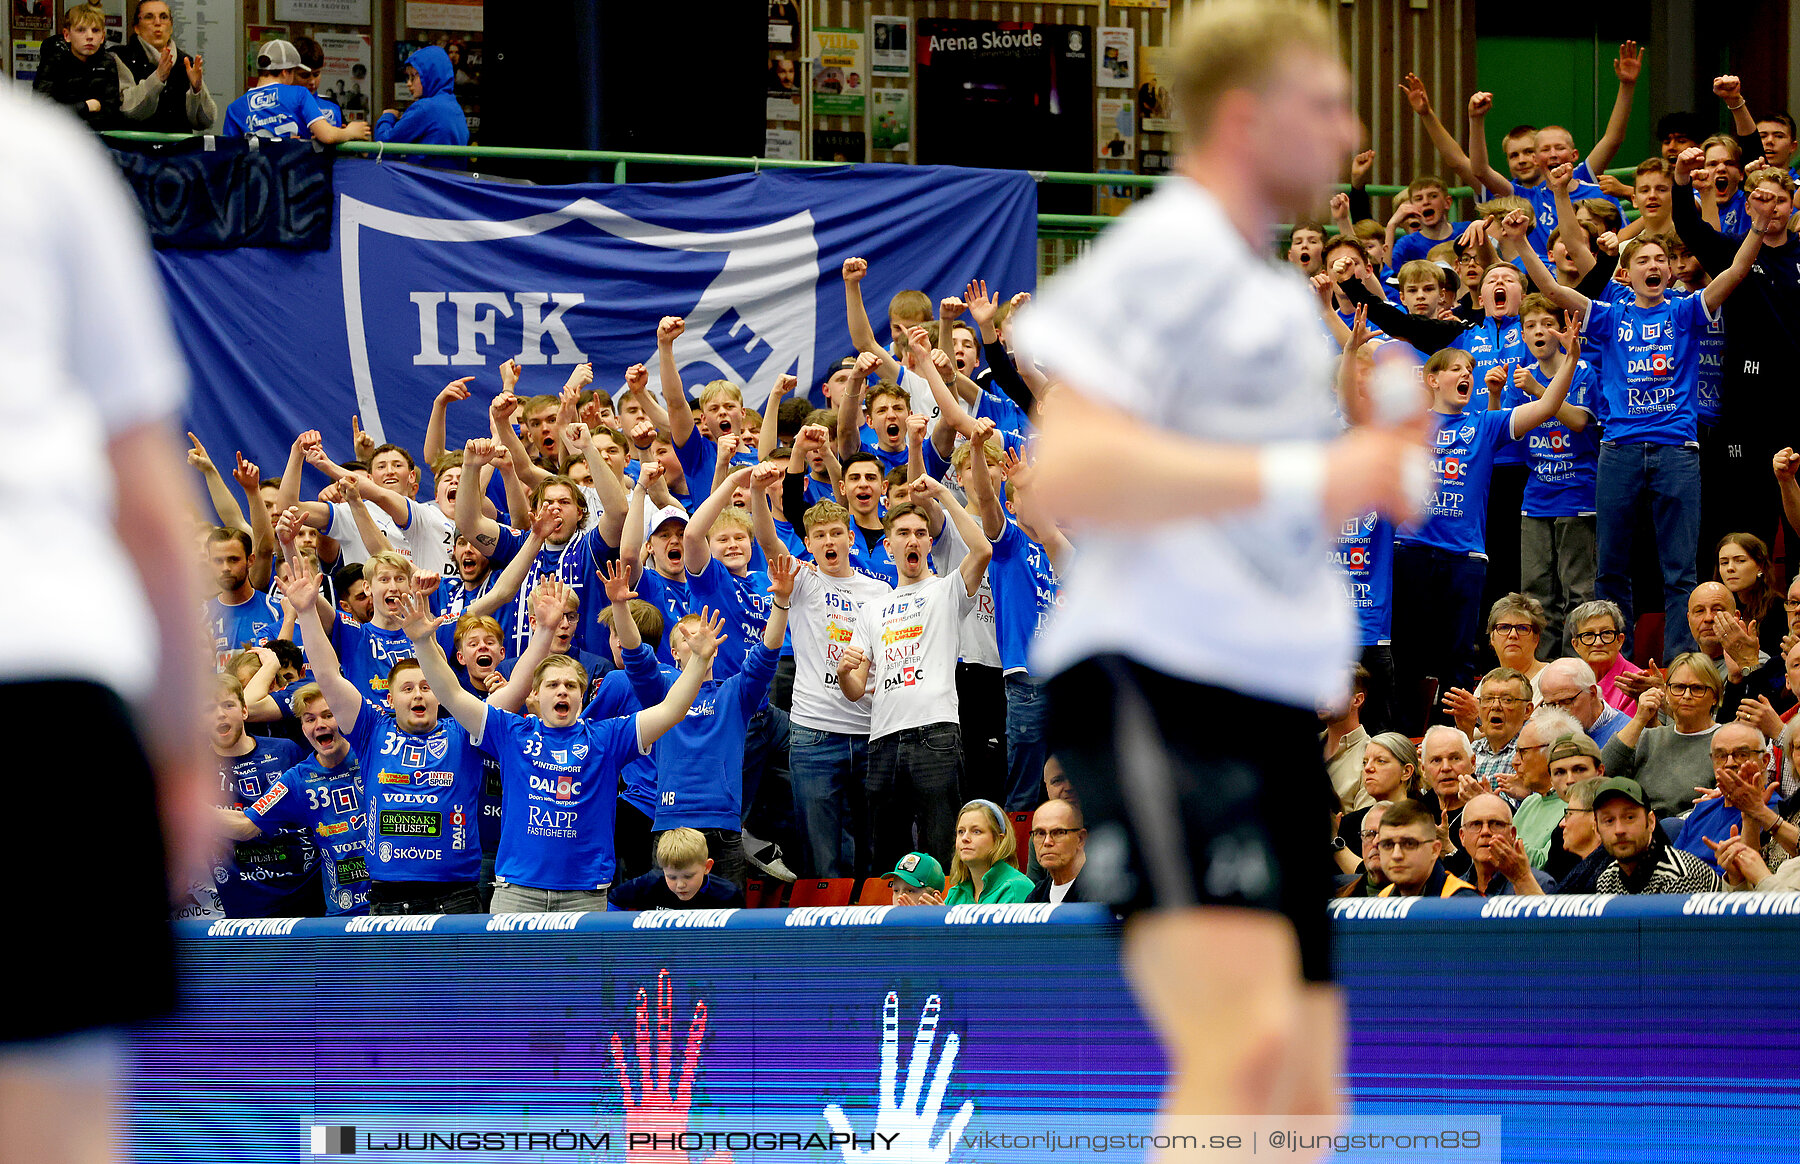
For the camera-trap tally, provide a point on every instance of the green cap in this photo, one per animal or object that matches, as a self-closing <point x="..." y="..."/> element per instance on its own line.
<point x="921" y="871"/>
<point x="1620" y="786"/>
<point x="1577" y="744"/>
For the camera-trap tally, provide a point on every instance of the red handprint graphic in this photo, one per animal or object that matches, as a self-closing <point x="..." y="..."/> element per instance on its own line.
<point x="656" y="1121"/>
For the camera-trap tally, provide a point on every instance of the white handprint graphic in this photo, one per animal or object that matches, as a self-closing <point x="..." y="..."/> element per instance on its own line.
<point x="903" y="1129"/>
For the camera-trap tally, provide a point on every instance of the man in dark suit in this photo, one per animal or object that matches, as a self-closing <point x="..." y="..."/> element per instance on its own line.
<point x="1059" y="839"/>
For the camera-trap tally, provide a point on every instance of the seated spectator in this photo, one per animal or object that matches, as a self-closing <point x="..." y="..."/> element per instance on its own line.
<point x="1410" y="851"/>
<point x="1447" y="766"/>
<point x="1515" y="627"/>
<point x="1642" y="860"/>
<point x="1390" y="772"/>
<point x="74" y="72"/>
<point x="1569" y="685"/>
<point x="1578" y="857"/>
<point x="1722" y="637"/>
<point x="1744" y="569"/>
<point x="1371" y="880"/>
<point x="1343" y="738"/>
<point x="1056" y="782"/>
<point x="981" y="872"/>
<point x="1540" y="808"/>
<point x="1597" y="632"/>
<point x="1498" y="863"/>
<point x="1740" y="760"/>
<point x="162" y="89"/>
<point x="1060" y="840"/>
<point x="918" y="880"/>
<point x="1670" y="762"/>
<point x="684" y="879"/>
<point x="1492" y="718"/>
<point x="434" y="117"/>
<point x="279" y="106"/>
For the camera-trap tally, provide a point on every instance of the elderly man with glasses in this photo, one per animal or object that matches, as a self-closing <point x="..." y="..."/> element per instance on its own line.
<point x="1570" y="685"/>
<point x="1492" y="719"/>
<point x="1540" y="809"/>
<point x="1059" y="839"/>
<point x="1499" y="866"/>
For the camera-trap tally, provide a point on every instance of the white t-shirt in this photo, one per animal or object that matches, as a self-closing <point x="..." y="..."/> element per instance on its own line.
<point x="429" y="537"/>
<point x="822" y="622"/>
<point x="1058" y="892"/>
<point x="979" y="641"/>
<point x="1173" y="318"/>
<point x="86" y="356"/>
<point x="911" y="638"/>
<point x="350" y="544"/>
<point x="918" y="389"/>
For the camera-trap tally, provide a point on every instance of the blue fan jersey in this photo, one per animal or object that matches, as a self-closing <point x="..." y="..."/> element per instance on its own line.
<point x="1365" y="549"/>
<point x="1454" y="516"/>
<point x="259" y="874"/>
<point x="328" y="803"/>
<point x="422" y="793"/>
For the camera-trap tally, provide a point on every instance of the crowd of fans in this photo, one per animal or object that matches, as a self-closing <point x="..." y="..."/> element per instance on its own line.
<point x="149" y="83"/>
<point x="637" y="645"/>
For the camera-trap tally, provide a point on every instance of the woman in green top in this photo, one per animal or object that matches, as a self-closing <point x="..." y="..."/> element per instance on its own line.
<point x="982" y="871"/>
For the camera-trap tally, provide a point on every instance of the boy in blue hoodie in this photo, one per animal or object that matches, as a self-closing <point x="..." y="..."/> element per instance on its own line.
<point x="434" y="117"/>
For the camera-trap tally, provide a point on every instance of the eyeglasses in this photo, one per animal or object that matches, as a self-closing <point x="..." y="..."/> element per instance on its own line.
<point x="1573" y="811"/>
<point x="1791" y="604"/>
<point x="1735" y="757"/>
<point x="1530" y="747"/>
<point x="1689" y="689"/>
<point x="1486" y="826"/>
<point x="1598" y="638"/>
<point x="1565" y="703"/>
<point x="1401" y="845"/>
<point x="1510" y="629"/>
<point x="1052" y="834"/>
<point x="1500" y="701"/>
<point x="1367" y="833"/>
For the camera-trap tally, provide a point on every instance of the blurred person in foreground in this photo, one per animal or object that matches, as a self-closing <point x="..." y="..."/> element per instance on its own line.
<point x="97" y="542"/>
<point x="1189" y="438"/>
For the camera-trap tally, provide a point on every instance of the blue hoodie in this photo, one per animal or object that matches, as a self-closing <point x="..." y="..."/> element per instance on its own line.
<point x="435" y="118"/>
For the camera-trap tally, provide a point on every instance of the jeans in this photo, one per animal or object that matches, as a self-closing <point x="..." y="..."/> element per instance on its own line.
<point x="632" y="856"/>
<point x="1378" y="701"/>
<point x="525" y="899"/>
<point x="484" y="888"/>
<point x="1668" y="477"/>
<point x="765" y="752"/>
<point x="915" y="774"/>
<point x="416" y="897"/>
<point x="827" y="770"/>
<point x="1027" y="720"/>
<point x="1556" y="556"/>
<point x="1437" y="608"/>
<point x="726" y="848"/>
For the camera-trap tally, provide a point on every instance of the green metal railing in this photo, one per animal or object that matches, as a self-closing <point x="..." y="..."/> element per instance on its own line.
<point x="1056" y="226"/>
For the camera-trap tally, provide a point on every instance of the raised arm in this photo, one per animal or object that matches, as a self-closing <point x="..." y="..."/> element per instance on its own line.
<point x="681" y="413"/>
<point x="608" y="486"/>
<point x="762" y="520"/>
<point x="471" y="522"/>
<point x="440" y="416"/>
<point x="1626" y="67"/>
<point x="637" y="386"/>
<point x="248" y="475"/>
<point x="853" y="673"/>
<point x="985" y="492"/>
<point x="373" y="540"/>
<point x="548" y="602"/>
<point x="850" y="405"/>
<point x="631" y="540"/>
<point x="421" y="629"/>
<point x="769" y="436"/>
<point x="1762" y="221"/>
<point x="782" y="572"/>
<point x="1032" y="518"/>
<point x="1537" y="411"/>
<point x="950" y="409"/>
<point x="1479" y="166"/>
<point x="1413" y="90"/>
<point x="857" y="316"/>
<point x="1513" y="231"/>
<point x="703" y="644"/>
<point x="513" y="577"/>
<point x="949" y="311"/>
<point x="1574" y="236"/>
<point x="981" y="551"/>
<point x="1730" y="90"/>
<point x="231" y="515"/>
<point x="1787" y="466"/>
<point x="528" y="471"/>
<point x="300" y="588"/>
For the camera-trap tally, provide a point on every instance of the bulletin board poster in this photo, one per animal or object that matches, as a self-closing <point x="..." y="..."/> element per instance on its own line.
<point x="892" y="119"/>
<point x="25" y="59"/>
<point x="891" y="51"/>
<point x="1153" y="107"/>
<point x="840" y="72"/>
<point x="348" y="76"/>
<point x="1115" y="62"/>
<point x="1115" y="121"/>
<point x="31" y="16"/>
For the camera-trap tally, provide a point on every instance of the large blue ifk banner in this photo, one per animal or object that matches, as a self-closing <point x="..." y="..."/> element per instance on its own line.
<point x="433" y="277"/>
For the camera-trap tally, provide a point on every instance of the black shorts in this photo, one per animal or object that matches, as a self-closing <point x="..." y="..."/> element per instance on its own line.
<point x="1197" y="795"/>
<point x="92" y="858"/>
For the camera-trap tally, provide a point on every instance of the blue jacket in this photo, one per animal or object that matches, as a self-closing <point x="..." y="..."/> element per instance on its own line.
<point x="435" y="118"/>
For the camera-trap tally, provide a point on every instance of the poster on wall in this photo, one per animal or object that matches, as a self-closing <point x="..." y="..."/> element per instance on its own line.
<point x="455" y="15"/>
<point x="1117" y="140"/>
<point x="892" y="119"/>
<point x="213" y="29"/>
<point x="348" y="77"/>
<point x="784" y="76"/>
<point x="839" y="72"/>
<point x="782" y="143"/>
<point x="324" y="11"/>
<point x="784" y="24"/>
<point x="32" y="16"/>
<point x="1015" y="96"/>
<point x="25" y="59"/>
<point x="890" y="54"/>
<point x="1116" y="57"/>
<point x="1153" y="109"/>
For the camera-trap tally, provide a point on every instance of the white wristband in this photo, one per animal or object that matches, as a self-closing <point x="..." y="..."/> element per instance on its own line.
<point x="1293" y="479"/>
